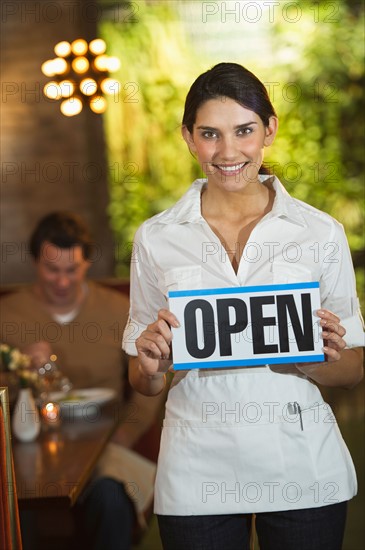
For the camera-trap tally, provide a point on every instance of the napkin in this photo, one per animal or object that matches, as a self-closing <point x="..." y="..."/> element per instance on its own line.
<point x="134" y="471"/>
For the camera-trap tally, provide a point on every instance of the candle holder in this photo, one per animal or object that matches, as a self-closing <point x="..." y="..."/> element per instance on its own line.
<point x="51" y="414"/>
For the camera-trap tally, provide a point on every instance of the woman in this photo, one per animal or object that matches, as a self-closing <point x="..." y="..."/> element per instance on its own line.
<point x="219" y="463"/>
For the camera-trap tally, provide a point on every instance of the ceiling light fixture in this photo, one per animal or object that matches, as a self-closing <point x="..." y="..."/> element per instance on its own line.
<point x="81" y="76"/>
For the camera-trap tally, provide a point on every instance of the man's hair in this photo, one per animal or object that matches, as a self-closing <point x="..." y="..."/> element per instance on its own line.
<point x="63" y="229"/>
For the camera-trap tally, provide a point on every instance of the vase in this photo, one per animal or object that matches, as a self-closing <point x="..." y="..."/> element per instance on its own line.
<point x="26" y="422"/>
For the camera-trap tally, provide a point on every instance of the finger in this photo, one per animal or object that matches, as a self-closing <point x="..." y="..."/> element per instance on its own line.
<point x="327" y="315"/>
<point x="333" y="347"/>
<point x="332" y="327"/>
<point x="333" y="338"/>
<point x="161" y="327"/>
<point x="151" y="350"/>
<point x="339" y="347"/>
<point x="330" y="322"/>
<point x="155" y="343"/>
<point x="331" y="354"/>
<point x="169" y="317"/>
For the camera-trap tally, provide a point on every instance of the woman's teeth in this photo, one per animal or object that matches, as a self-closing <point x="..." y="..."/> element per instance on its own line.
<point x="232" y="168"/>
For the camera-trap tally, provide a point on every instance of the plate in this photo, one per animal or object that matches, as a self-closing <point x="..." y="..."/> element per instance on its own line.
<point x="85" y="403"/>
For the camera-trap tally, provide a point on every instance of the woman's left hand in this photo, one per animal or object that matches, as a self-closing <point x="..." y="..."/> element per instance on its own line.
<point x="332" y="334"/>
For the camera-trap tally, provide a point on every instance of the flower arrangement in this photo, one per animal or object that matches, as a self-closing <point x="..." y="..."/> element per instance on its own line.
<point x="20" y="371"/>
<point x="19" y="364"/>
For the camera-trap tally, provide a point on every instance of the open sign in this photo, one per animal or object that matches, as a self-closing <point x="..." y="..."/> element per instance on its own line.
<point x="246" y="326"/>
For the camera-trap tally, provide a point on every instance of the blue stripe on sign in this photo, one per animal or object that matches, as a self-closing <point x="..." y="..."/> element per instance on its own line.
<point x="249" y="362"/>
<point x="240" y="289"/>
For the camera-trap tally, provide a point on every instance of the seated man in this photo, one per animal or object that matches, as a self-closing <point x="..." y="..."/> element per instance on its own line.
<point x="82" y="323"/>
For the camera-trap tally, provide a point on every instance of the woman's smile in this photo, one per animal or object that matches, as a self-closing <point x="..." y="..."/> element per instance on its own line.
<point x="230" y="169"/>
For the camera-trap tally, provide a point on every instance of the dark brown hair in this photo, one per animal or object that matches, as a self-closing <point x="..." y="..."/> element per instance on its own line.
<point x="63" y="229"/>
<point x="228" y="80"/>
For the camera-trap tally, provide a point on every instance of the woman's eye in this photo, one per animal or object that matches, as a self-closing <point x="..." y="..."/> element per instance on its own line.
<point x="244" y="131"/>
<point x="209" y="134"/>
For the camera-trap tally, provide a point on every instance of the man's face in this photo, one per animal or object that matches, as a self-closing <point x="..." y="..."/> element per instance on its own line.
<point x="60" y="273"/>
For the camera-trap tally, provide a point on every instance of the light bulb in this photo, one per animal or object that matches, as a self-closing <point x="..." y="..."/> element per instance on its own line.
<point x="59" y="65"/>
<point x="97" y="46"/>
<point x="67" y="88"/>
<point x="79" y="46"/>
<point x="47" y="67"/>
<point x="112" y="64"/>
<point x="98" y="104"/>
<point x="101" y="62"/>
<point x="110" y="86"/>
<point x="88" y="86"/>
<point x="80" y="65"/>
<point x="71" y="107"/>
<point x="62" y="49"/>
<point x="52" y="90"/>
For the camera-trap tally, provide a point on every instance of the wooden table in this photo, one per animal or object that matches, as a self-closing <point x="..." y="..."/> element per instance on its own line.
<point x="53" y="470"/>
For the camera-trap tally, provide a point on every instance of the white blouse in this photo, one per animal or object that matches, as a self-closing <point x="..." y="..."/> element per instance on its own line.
<point x="248" y="439"/>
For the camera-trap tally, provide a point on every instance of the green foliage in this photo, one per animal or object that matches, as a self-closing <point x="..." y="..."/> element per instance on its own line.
<point x="150" y="166"/>
<point x="319" y="99"/>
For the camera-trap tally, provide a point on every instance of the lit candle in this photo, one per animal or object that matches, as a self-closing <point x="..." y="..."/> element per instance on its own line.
<point x="51" y="414"/>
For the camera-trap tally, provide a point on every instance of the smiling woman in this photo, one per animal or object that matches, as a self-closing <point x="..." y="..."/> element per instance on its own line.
<point x="228" y="132"/>
<point x="231" y="155"/>
<point x="228" y="121"/>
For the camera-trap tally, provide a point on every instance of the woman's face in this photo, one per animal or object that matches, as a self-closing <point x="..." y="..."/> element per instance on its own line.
<point x="228" y="140"/>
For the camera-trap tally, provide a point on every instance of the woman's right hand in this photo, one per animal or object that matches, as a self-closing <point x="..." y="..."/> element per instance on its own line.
<point x="153" y="345"/>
